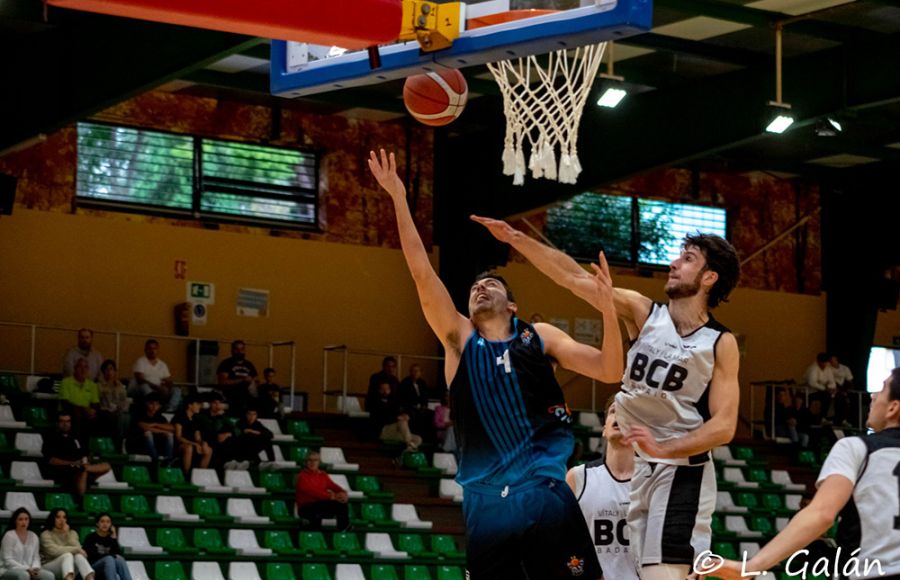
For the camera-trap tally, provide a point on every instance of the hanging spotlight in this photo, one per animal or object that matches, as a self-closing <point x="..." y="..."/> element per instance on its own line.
<point x="828" y="127"/>
<point x="781" y="117"/>
<point x="615" y="91"/>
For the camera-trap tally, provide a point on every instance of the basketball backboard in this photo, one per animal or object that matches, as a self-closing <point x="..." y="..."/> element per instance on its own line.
<point x="293" y="74"/>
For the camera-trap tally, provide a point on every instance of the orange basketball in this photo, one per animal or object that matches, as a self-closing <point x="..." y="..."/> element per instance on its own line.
<point x="436" y="98"/>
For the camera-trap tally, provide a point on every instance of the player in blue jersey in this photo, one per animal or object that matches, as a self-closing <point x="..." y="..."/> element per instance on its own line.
<point x="511" y="420"/>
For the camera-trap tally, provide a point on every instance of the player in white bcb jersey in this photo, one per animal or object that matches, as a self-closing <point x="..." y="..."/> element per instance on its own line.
<point x="603" y="488"/>
<point x="679" y="397"/>
<point x="860" y="480"/>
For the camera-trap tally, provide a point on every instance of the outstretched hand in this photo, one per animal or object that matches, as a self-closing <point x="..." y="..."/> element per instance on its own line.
<point x="498" y="228"/>
<point x="603" y="279"/>
<point x="384" y="168"/>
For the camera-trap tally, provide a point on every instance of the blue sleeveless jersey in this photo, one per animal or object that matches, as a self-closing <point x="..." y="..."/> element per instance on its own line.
<point x="511" y="420"/>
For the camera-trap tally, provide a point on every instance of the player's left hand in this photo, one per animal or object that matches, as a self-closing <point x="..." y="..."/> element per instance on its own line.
<point x="646" y="441"/>
<point x="603" y="279"/>
<point x="498" y="228"/>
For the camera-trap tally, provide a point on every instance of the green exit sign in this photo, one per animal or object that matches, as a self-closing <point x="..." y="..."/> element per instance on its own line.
<point x="201" y="293"/>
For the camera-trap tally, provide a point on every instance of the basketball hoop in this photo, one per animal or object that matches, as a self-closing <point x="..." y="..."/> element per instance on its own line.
<point x="543" y="105"/>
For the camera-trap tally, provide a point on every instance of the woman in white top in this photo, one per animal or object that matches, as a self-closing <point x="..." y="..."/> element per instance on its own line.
<point x="20" y="557"/>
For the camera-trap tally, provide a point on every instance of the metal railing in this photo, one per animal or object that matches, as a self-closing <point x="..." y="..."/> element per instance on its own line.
<point x="767" y="417"/>
<point x="118" y="335"/>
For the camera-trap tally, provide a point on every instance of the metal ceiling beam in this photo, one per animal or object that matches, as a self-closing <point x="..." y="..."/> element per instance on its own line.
<point x="86" y="63"/>
<point x="738" y="56"/>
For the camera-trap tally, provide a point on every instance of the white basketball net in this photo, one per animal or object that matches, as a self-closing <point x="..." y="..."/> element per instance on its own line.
<point x="543" y="106"/>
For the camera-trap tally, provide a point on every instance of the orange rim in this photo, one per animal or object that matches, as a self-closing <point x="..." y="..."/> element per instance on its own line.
<point x="502" y="17"/>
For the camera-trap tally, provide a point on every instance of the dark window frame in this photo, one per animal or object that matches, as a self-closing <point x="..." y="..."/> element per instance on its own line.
<point x="199" y="187"/>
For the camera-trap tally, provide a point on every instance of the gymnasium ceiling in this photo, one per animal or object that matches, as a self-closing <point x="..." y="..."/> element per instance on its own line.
<point x="701" y="80"/>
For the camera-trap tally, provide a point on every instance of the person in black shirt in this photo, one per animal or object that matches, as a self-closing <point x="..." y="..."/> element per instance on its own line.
<point x="67" y="460"/>
<point x="412" y="395"/>
<point x="269" y="404"/>
<point x="252" y="439"/>
<point x="150" y="433"/>
<point x="103" y="551"/>
<point x="236" y="376"/>
<point x="387" y="374"/>
<point x="217" y="430"/>
<point x="189" y="436"/>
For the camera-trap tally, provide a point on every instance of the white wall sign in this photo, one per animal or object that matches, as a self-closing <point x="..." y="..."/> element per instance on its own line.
<point x="588" y="330"/>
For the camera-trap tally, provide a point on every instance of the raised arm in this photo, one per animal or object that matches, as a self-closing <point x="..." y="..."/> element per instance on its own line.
<point x="724" y="398"/>
<point x="450" y="326"/>
<point x="565" y="271"/>
<point x="605" y="365"/>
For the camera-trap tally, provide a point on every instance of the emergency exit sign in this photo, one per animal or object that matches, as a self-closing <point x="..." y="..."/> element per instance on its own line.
<point x="201" y="293"/>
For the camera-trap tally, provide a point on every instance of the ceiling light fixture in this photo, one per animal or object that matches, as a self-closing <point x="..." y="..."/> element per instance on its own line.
<point x="781" y="117"/>
<point x="615" y="90"/>
<point x="828" y="127"/>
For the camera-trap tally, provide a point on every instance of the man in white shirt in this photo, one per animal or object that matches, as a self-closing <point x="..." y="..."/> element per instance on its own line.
<point x="820" y="378"/>
<point x="83" y="350"/>
<point x="151" y="375"/>
<point x="859" y="481"/>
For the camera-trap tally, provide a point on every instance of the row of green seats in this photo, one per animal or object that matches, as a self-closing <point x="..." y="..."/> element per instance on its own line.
<point x="168" y="570"/>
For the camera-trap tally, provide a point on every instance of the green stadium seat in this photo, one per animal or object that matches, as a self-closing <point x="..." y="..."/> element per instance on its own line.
<point x="96" y="503"/>
<point x="413" y="545"/>
<point x="280" y="571"/>
<point x="383" y="572"/>
<point x="418" y="461"/>
<point x="279" y="541"/>
<point x="136" y="506"/>
<point x="209" y="509"/>
<point x="277" y="510"/>
<point x="5" y="447"/>
<point x="807" y="457"/>
<point x="373" y="514"/>
<point x="761" y="476"/>
<point x="416" y="573"/>
<point x="104" y="448"/>
<point x="138" y="476"/>
<point x="210" y="541"/>
<point x="173" y="478"/>
<point x="725" y="549"/>
<point x="313" y="543"/>
<point x="747" y="455"/>
<point x="718" y="527"/>
<point x="315" y="572"/>
<point x="169" y="571"/>
<point x="347" y="545"/>
<point x="84" y="532"/>
<point x="446" y="546"/>
<point x="773" y="502"/>
<point x="8" y="382"/>
<point x="298" y="454"/>
<point x="273" y="481"/>
<point x="369" y="485"/>
<point x="762" y="524"/>
<point x="303" y="434"/>
<point x="6" y="481"/>
<point x="36" y="417"/>
<point x="64" y="501"/>
<point x="450" y="573"/>
<point x="747" y="500"/>
<point x="172" y="540"/>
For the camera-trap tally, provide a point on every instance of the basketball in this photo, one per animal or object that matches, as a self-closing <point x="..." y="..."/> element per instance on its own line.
<point x="436" y="98"/>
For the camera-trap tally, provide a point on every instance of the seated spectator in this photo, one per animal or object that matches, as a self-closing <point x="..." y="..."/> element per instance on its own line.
<point x="113" y="417"/>
<point x="318" y="497"/>
<point x="390" y="420"/>
<point x="446" y="438"/>
<point x="79" y="397"/>
<point x="236" y="378"/>
<point x="217" y="430"/>
<point x="61" y="551"/>
<point x="820" y="378"/>
<point x="412" y="396"/>
<point x="152" y="375"/>
<point x="20" y="555"/>
<point x="786" y="419"/>
<point x="802" y="418"/>
<point x="189" y="436"/>
<point x="103" y="551"/>
<point x="252" y="438"/>
<point x="387" y="374"/>
<point x="270" y="405"/>
<point x="843" y="380"/>
<point x="150" y="433"/>
<point x="86" y="351"/>
<point x="67" y="462"/>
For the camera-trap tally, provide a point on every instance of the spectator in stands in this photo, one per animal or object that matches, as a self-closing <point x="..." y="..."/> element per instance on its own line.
<point x="189" y="436"/>
<point x="388" y="374"/>
<point x="79" y="397"/>
<point x="152" y="375"/>
<point x="67" y="460"/>
<point x="269" y="404"/>
<point x="113" y="417"/>
<point x="446" y="438"/>
<point x="820" y="378"/>
<point x="150" y="433"/>
<point x="61" y="551"/>
<point x="253" y="437"/>
<point x="103" y="550"/>
<point x="86" y="351"/>
<point x="390" y="420"/>
<point x="236" y="378"/>
<point x="412" y="396"/>
<point x="318" y="497"/>
<point x="786" y="419"/>
<point x="843" y="380"/>
<point x="20" y="557"/>
<point x="217" y="430"/>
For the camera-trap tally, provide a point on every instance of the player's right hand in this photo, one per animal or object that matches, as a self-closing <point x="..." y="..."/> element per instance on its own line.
<point x="603" y="279"/>
<point x="498" y="228"/>
<point x="384" y="169"/>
